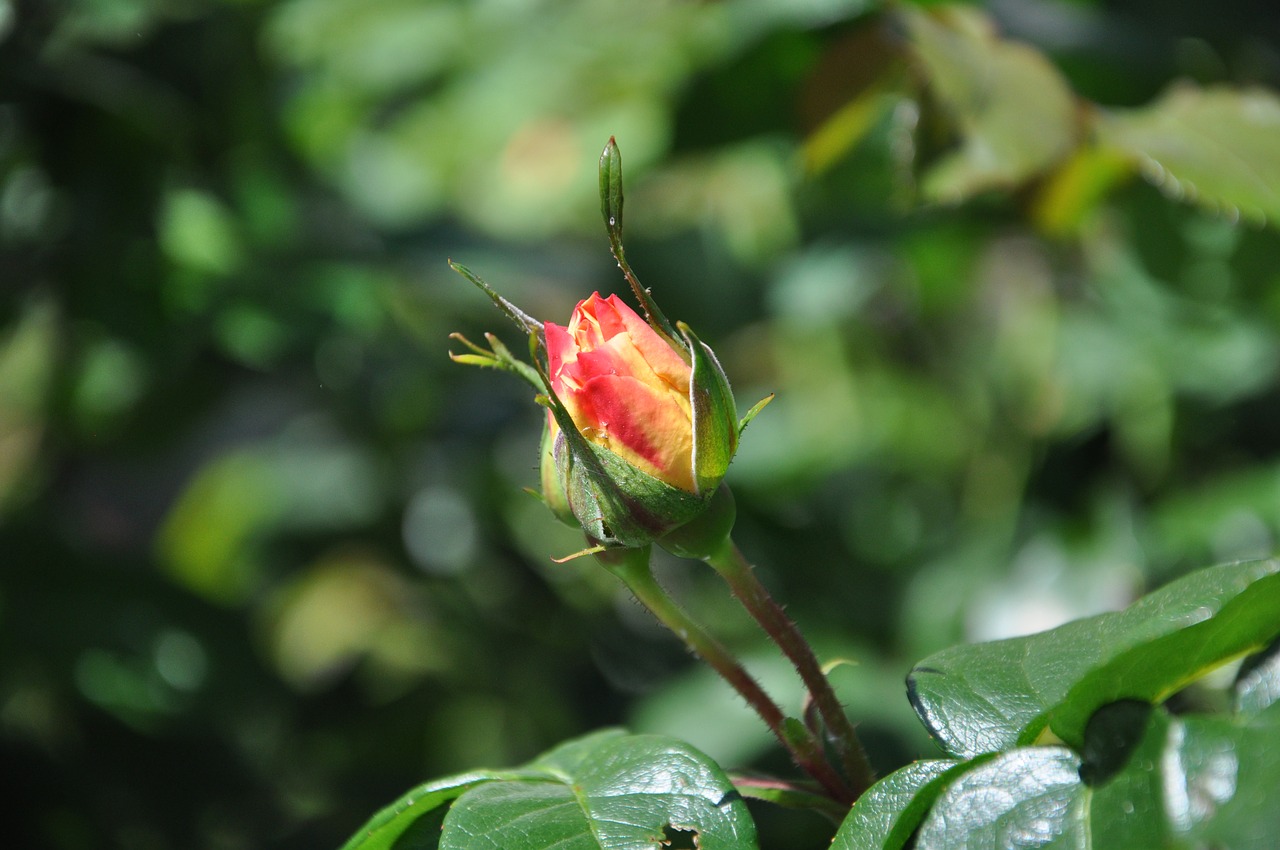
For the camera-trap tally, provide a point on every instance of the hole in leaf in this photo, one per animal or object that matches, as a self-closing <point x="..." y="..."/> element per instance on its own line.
<point x="679" y="837"/>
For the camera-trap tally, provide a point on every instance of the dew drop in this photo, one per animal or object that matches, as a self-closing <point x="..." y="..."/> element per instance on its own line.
<point x="612" y="221"/>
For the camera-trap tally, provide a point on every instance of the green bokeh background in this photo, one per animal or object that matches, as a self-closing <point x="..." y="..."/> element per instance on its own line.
<point x="265" y="557"/>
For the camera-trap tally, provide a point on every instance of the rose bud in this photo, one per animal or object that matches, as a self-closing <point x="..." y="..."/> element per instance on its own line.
<point x="651" y="423"/>
<point x="641" y="424"/>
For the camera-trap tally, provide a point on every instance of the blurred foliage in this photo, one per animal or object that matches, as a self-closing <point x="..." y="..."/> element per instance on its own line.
<point x="1011" y="268"/>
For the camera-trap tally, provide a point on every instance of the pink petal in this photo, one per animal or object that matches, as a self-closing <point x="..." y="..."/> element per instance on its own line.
<point x="646" y="426"/>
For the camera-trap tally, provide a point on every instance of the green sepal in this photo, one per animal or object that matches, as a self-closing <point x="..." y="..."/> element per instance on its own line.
<point x="751" y="414"/>
<point x="553" y="492"/>
<point x="715" y="424"/>
<point x="522" y="319"/>
<point x="497" y="356"/>
<point x="614" y="502"/>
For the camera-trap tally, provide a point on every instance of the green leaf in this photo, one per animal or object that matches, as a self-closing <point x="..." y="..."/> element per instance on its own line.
<point x="387" y="828"/>
<point x="1191" y="781"/>
<point x="1012" y="110"/>
<point x="1122" y="751"/>
<point x="1029" y="797"/>
<point x="1221" y="775"/>
<point x="886" y="816"/>
<point x="1257" y="685"/>
<point x="1218" y="147"/>
<point x="608" y="790"/>
<point x="1147" y="780"/>
<point x="993" y="696"/>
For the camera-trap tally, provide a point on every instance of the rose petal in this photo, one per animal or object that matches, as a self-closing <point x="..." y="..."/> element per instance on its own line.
<point x="561" y="351"/>
<point x="644" y="426"/>
<point x="657" y="352"/>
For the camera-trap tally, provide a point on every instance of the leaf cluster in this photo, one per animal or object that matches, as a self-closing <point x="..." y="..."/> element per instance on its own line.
<point x="1065" y="738"/>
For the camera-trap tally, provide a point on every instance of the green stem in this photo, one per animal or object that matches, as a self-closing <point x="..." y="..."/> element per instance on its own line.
<point x="632" y="567"/>
<point x="730" y="563"/>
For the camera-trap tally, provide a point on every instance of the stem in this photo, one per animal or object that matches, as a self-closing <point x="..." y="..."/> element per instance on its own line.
<point x="730" y="563"/>
<point x="632" y="567"/>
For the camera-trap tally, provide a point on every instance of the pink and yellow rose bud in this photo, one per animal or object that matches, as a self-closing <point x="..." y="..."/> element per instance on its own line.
<point x="625" y="387"/>
<point x="641" y="428"/>
<point x="641" y="425"/>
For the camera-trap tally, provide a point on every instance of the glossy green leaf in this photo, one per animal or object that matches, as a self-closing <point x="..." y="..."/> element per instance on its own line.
<point x="1189" y="781"/>
<point x="993" y="696"/>
<point x="1257" y="685"/>
<point x="395" y="826"/>
<point x="887" y="815"/>
<point x="608" y="790"/>
<point x="1217" y="147"/>
<point x="1147" y="780"/>
<point x="1029" y="797"/>
<point x="1013" y="111"/>
<point x="1221" y="776"/>
<point x="1122" y="755"/>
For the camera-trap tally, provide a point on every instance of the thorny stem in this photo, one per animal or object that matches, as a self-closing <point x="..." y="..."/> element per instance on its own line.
<point x="730" y="563"/>
<point x="632" y="567"/>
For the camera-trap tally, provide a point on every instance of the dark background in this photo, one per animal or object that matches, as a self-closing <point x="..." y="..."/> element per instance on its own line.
<point x="265" y="558"/>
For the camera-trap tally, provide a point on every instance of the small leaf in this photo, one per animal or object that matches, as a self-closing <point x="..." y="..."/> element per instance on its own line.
<point x="993" y="696"/>
<point x="1029" y="797"/>
<point x="1013" y="111"/>
<point x="886" y="816"/>
<point x="1218" y="147"/>
<point x="608" y="790"/>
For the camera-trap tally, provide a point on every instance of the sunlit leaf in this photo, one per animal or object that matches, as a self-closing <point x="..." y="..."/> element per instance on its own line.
<point x="1012" y="110"/>
<point x="988" y="697"/>
<point x="886" y="816"/>
<point x="1189" y="781"/>
<point x="1220" y="780"/>
<point x="1217" y="147"/>
<point x="388" y="828"/>
<point x="1030" y="797"/>
<point x="1257" y="686"/>
<point x="607" y="790"/>
<point x="1147" y="779"/>
<point x="1074" y="190"/>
